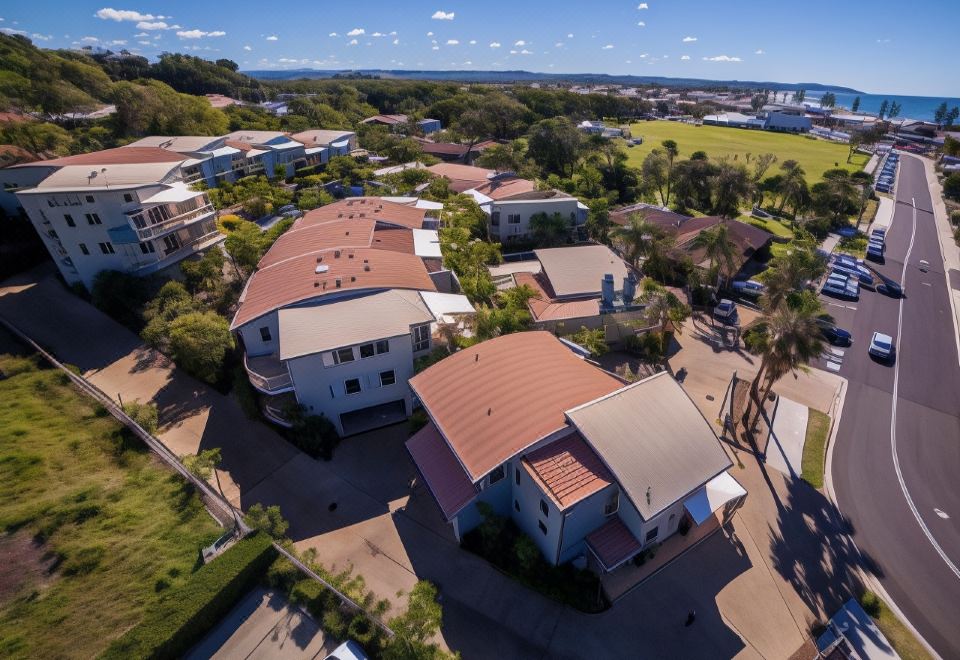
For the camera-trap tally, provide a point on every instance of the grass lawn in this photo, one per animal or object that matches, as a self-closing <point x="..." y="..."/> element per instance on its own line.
<point x="814" y="448"/>
<point x="93" y="529"/>
<point x="771" y="225"/>
<point x="816" y="156"/>
<point x="903" y="641"/>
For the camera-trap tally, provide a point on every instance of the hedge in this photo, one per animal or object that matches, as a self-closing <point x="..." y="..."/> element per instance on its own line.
<point x="189" y="611"/>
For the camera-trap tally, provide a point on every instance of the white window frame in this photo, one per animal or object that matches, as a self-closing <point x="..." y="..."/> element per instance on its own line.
<point x="359" y="386"/>
<point x="613" y="503"/>
<point x="336" y="355"/>
<point x="392" y="373"/>
<point x="418" y="341"/>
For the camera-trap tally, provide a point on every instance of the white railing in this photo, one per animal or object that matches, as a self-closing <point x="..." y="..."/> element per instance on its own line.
<point x="267" y="384"/>
<point x="173" y="223"/>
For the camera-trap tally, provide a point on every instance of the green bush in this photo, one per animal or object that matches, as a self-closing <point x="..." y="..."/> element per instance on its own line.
<point x="871" y="604"/>
<point x="955" y="217"/>
<point x="187" y="612"/>
<point x="144" y="414"/>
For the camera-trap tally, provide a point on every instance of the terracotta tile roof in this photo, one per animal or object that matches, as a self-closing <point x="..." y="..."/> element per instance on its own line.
<point x="117" y="156"/>
<point x="613" y="543"/>
<point x="367" y="207"/>
<point x="665" y="219"/>
<point x="569" y="470"/>
<point x="497" y="398"/>
<point x="304" y="239"/>
<point x="395" y="239"/>
<point x="441" y="471"/>
<point x="295" y="279"/>
<point x="747" y="238"/>
<point x="506" y="188"/>
<point x="462" y="177"/>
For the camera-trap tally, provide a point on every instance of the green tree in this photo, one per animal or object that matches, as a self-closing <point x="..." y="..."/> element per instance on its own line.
<point x="202" y="464"/>
<point x="636" y="238"/>
<point x="414" y="629"/>
<point x="939" y="115"/>
<point x="245" y="246"/>
<point x="657" y="172"/>
<point x="556" y="145"/>
<point x="468" y="258"/>
<point x="199" y="342"/>
<point x="789" y="272"/>
<point x="883" y="108"/>
<point x="268" y="520"/>
<point x="855" y="107"/>
<point x="594" y="340"/>
<point x="598" y="220"/>
<point x="151" y="107"/>
<point x="38" y="138"/>
<point x="793" y="185"/>
<point x="549" y="230"/>
<point x="836" y="195"/>
<point x="662" y="307"/>
<point x="730" y="185"/>
<point x="720" y="249"/>
<point x="312" y="198"/>
<point x="828" y="100"/>
<point x="951" y="186"/>
<point x="204" y="275"/>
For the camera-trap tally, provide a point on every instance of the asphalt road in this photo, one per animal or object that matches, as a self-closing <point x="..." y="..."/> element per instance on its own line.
<point x="896" y="462"/>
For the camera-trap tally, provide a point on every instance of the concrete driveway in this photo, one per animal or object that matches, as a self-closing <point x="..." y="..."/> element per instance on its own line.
<point x="755" y="587"/>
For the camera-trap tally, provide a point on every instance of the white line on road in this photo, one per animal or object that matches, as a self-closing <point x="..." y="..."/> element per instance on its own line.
<point x="942" y="514"/>
<point x="833" y="366"/>
<point x="893" y="415"/>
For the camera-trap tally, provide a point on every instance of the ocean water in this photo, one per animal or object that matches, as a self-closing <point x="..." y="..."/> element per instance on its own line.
<point x="913" y="107"/>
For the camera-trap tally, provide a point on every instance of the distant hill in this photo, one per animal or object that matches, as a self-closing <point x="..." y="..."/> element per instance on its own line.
<point x="529" y="76"/>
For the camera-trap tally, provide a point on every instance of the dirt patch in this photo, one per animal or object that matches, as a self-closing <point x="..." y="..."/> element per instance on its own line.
<point x="24" y="564"/>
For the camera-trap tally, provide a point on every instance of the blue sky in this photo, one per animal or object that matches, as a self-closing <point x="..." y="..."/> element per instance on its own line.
<point x="878" y="47"/>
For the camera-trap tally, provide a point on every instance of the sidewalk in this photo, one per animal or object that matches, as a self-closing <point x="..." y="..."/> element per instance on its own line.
<point x="948" y="247"/>
<point x="785" y="444"/>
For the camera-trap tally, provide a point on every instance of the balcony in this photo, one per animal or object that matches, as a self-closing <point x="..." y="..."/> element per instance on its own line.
<point x="175" y="222"/>
<point x="268" y="374"/>
<point x="143" y="266"/>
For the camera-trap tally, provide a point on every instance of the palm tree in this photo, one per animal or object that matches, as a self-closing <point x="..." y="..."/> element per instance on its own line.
<point x="794" y="184"/>
<point x="719" y="248"/>
<point x="636" y="239"/>
<point x="790" y="273"/>
<point x="662" y="307"/>
<point x="791" y="338"/>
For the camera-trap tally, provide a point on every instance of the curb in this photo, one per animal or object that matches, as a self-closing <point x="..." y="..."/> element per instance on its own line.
<point x="940" y="219"/>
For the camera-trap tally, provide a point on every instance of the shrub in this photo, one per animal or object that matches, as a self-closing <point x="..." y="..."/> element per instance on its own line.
<point x="144" y="414"/>
<point x="594" y="341"/>
<point x="268" y="520"/>
<point x="315" y="435"/>
<point x="951" y="186"/>
<point x="186" y="613"/>
<point x="228" y="223"/>
<point x="955" y="217"/>
<point x="199" y="342"/>
<point x="871" y="604"/>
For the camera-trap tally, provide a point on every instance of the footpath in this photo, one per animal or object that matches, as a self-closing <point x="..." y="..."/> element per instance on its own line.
<point x="948" y="246"/>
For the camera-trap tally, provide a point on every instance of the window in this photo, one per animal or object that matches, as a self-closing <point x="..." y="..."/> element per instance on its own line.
<point x="421" y="338"/>
<point x="496" y="475"/>
<point x="352" y="386"/>
<point x="127" y="197"/>
<point x="652" y="534"/>
<point x="89" y="199"/>
<point x="516" y="477"/>
<point x="543" y="528"/>
<point x="83" y="248"/>
<point x="69" y="220"/>
<point x="613" y="504"/>
<point x="516" y="506"/>
<point x="342" y="355"/>
<point x="387" y="378"/>
<point x="383" y="346"/>
<point x="170" y="243"/>
<point x="147" y="247"/>
<point x="92" y="219"/>
<point x="53" y="234"/>
<point x="513" y="219"/>
<point x="544" y="509"/>
<point x="107" y="248"/>
<point x="265" y="333"/>
<point x="495" y="218"/>
<point x="367" y="350"/>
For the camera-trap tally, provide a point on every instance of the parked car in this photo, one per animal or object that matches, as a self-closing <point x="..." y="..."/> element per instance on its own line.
<point x="879" y="232"/>
<point x="890" y="288"/>
<point x="726" y="311"/>
<point x="747" y="287"/>
<point x="861" y="274"/>
<point x="834" y="333"/>
<point x="881" y="346"/>
<point x="843" y="291"/>
<point x="349" y="650"/>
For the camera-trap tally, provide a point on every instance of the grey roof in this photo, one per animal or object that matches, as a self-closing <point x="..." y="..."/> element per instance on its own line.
<point x="323" y="138"/>
<point x="126" y="175"/>
<point x="579" y="270"/>
<point x="345" y="322"/>
<point x="183" y="144"/>
<point x="651" y="435"/>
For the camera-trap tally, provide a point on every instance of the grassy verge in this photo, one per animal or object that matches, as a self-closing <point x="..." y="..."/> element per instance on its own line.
<point x="815" y="156"/>
<point x="97" y="529"/>
<point x="906" y="645"/>
<point x="771" y="225"/>
<point x="869" y="211"/>
<point x="814" y="448"/>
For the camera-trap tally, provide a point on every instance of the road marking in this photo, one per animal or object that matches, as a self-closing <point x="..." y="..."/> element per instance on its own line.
<point x="926" y="283"/>
<point x="837" y="351"/>
<point x="833" y="366"/>
<point x="851" y="307"/>
<point x="942" y="514"/>
<point x="893" y="411"/>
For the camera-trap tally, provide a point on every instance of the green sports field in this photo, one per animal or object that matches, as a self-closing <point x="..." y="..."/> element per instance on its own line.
<point x="816" y="156"/>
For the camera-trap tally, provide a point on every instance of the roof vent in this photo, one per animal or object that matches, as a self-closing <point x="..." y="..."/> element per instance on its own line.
<point x="336" y="254"/>
<point x="489" y="411"/>
<point x="339" y="282"/>
<point x="476" y="357"/>
<point x="350" y="256"/>
<point x="316" y="284"/>
<point x="348" y="232"/>
<point x="366" y="268"/>
<point x="322" y="268"/>
<point x="320" y="258"/>
<point x="353" y="278"/>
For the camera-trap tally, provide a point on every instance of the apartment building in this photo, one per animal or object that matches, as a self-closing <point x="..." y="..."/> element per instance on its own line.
<point x="125" y="209"/>
<point x="340" y="308"/>
<point x="511" y="202"/>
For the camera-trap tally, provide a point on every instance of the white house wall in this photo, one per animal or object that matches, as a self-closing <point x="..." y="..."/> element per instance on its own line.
<point x="526" y="209"/>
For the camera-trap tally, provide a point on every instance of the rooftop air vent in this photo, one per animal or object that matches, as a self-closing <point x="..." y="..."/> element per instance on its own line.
<point x="366" y="268"/>
<point x="322" y="268"/>
<point x="350" y="256"/>
<point x="320" y="258"/>
<point x="339" y="282"/>
<point x="336" y="254"/>
<point x="316" y="284"/>
<point x="353" y="278"/>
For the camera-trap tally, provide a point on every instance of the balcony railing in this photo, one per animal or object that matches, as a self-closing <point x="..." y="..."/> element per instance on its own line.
<point x="175" y="222"/>
<point x="159" y="262"/>
<point x="268" y="374"/>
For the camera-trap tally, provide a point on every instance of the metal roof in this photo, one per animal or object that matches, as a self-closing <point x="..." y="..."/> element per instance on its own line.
<point x="655" y="441"/>
<point x="579" y="270"/>
<point x="91" y="177"/>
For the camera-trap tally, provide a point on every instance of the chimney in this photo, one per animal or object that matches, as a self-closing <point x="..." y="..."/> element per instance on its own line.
<point x="629" y="288"/>
<point x="606" y="290"/>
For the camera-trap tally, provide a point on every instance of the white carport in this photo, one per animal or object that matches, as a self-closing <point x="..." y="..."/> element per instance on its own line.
<point x="717" y="493"/>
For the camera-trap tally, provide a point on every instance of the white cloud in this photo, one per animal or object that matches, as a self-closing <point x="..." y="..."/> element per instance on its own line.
<point x="687" y="40"/>
<point x="883" y="41"/>
<point x="273" y="37"/>
<point x="473" y="42"/>
<point x="570" y="35"/>
<point x="109" y="14"/>
<point x="513" y="52"/>
<point x="247" y="48"/>
<point x="286" y="60"/>
<point x="468" y="63"/>
<point x="641" y="24"/>
<point x="643" y="5"/>
<point x="520" y="43"/>
<point x="435" y="48"/>
<point x="393" y="33"/>
<point x="36" y="36"/>
<point x="607" y="47"/>
<point x="145" y="43"/>
<point x="118" y="42"/>
<point x="684" y="57"/>
<point x="352" y="42"/>
<point x="156" y="25"/>
<point x="90" y="40"/>
<point x="429" y="34"/>
<point x="453" y="42"/>
<point x="333" y="34"/>
<point x="627" y="62"/>
<point x="200" y="34"/>
<point x="141" y="35"/>
<point x="759" y="51"/>
<point x="722" y="58"/>
<point x="396" y="42"/>
<point x="440" y="15"/>
<point x="356" y="32"/>
<point x="494" y="44"/>
<point x="559" y="44"/>
<point x="378" y="34"/>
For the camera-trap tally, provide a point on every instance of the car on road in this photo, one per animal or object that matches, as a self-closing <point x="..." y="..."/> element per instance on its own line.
<point x="834" y="333"/>
<point x="848" y="291"/>
<point x="747" y="287"/>
<point x="890" y="288"/>
<point x="726" y="311"/>
<point x="881" y="346"/>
